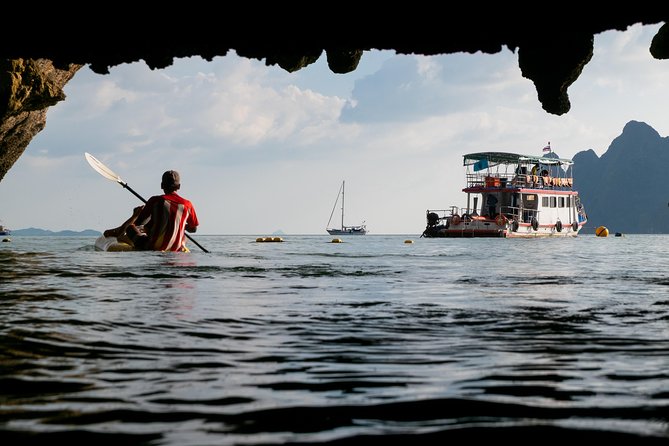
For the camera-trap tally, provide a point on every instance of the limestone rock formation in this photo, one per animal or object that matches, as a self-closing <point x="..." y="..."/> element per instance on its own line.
<point x="608" y="185"/>
<point x="27" y="89"/>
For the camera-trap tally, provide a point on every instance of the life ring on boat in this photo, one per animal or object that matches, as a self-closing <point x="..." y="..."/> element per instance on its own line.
<point x="455" y="219"/>
<point x="535" y="223"/>
<point x="500" y="220"/>
<point x="574" y="226"/>
<point x="558" y="226"/>
<point x="515" y="225"/>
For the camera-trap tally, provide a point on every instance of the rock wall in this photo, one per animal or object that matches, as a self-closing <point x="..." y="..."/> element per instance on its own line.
<point x="27" y="89"/>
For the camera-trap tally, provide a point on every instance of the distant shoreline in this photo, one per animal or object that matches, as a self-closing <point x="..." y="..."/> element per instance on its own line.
<point x="46" y="232"/>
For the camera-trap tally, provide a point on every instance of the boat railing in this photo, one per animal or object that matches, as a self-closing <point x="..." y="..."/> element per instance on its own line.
<point x="439" y="216"/>
<point x="511" y="212"/>
<point x="520" y="215"/>
<point x="504" y="180"/>
<point x="529" y="214"/>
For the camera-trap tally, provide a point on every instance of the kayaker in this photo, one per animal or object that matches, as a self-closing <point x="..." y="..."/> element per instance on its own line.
<point x="159" y="225"/>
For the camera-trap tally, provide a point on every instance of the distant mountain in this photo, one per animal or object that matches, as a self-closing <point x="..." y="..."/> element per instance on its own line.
<point x="38" y="232"/>
<point x="626" y="189"/>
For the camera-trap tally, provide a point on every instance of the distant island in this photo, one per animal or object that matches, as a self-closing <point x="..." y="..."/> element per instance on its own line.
<point x="40" y="232"/>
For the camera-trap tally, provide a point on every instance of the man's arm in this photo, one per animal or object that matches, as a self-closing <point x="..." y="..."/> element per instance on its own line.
<point x="192" y="222"/>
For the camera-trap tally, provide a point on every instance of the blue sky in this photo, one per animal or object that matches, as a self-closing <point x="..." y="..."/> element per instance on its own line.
<point x="262" y="150"/>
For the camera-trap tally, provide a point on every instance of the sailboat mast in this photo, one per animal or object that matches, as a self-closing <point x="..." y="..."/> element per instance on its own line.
<point x="342" y="204"/>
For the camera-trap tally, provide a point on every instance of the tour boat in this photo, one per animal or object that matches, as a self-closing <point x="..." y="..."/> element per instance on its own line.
<point x="512" y="195"/>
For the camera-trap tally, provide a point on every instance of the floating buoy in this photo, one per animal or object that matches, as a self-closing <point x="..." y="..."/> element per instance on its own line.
<point x="269" y="239"/>
<point x="408" y="241"/>
<point x="602" y="231"/>
<point x="619" y="234"/>
<point x="6" y="240"/>
<point x="336" y="240"/>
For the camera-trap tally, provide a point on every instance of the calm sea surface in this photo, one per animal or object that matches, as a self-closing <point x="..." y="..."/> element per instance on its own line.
<point x="308" y="341"/>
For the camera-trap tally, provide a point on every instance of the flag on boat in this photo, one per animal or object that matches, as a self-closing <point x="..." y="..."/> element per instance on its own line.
<point x="548" y="147"/>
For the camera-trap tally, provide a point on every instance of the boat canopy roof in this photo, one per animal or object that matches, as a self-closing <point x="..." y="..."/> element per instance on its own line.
<point x="513" y="158"/>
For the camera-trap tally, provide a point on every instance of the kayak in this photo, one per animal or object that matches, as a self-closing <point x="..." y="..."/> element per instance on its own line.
<point x="110" y="244"/>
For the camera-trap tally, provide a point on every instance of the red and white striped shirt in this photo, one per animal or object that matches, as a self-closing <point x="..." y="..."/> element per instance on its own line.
<point x="167" y="215"/>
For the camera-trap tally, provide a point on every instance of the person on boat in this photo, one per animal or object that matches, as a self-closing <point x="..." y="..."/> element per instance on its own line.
<point x="159" y="225"/>
<point x="491" y="201"/>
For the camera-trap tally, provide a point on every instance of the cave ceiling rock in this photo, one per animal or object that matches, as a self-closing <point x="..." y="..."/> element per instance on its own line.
<point x="552" y="51"/>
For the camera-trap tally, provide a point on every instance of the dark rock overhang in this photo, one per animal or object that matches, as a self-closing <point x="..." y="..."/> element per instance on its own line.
<point x="553" y="43"/>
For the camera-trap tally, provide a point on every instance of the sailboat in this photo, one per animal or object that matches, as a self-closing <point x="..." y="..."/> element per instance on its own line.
<point x="4" y="231"/>
<point x="344" y="230"/>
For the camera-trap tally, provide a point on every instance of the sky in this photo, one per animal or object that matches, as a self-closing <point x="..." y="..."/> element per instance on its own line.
<point x="261" y="150"/>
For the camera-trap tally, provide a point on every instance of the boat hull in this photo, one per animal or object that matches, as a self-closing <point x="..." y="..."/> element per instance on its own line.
<point x="110" y="244"/>
<point x="490" y="229"/>
<point x="347" y="231"/>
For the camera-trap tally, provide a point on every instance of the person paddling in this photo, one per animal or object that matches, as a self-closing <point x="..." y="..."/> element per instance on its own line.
<point x="159" y="225"/>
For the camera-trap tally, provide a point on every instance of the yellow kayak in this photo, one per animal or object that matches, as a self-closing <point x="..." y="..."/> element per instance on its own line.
<point x="110" y="244"/>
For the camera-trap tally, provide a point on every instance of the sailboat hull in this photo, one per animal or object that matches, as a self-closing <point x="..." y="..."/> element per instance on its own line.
<point x="347" y="231"/>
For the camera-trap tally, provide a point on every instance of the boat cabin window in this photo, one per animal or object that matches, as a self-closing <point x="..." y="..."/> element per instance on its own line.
<point x="568" y="202"/>
<point x="551" y="202"/>
<point x="560" y="202"/>
<point x="530" y="201"/>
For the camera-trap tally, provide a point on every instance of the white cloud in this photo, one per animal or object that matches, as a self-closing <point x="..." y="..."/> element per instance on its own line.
<point x="260" y="149"/>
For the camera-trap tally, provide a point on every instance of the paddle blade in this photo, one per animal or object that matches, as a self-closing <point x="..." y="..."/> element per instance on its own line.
<point x="102" y="169"/>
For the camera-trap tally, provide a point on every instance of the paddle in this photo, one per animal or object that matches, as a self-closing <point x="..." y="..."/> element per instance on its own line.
<point x="110" y="175"/>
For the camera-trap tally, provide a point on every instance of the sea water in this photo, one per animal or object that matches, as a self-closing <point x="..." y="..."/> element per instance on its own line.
<point x="308" y="341"/>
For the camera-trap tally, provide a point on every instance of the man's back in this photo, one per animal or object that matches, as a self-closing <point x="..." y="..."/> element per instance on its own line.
<point x="168" y="215"/>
